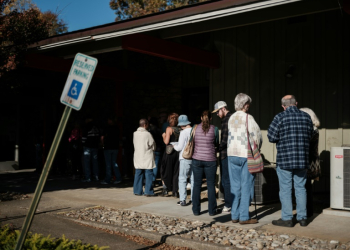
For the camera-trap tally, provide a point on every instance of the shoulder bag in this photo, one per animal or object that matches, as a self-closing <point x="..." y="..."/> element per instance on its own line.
<point x="169" y="149"/>
<point x="188" y="151"/>
<point x="254" y="159"/>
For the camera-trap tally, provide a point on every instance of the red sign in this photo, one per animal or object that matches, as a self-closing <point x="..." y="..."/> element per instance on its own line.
<point x="339" y="156"/>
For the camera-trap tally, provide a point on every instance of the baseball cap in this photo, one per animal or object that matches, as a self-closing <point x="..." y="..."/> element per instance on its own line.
<point x="219" y="105"/>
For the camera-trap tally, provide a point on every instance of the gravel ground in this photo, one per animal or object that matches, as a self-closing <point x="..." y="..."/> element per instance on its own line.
<point x="149" y="243"/>
<point x="200" y="231"/>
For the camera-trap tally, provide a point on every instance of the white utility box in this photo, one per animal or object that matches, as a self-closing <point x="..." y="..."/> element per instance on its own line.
<point x="340" y="178"/>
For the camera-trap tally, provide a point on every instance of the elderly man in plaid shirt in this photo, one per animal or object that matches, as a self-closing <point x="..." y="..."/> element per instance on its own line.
<point x="220" y="108"/>
<point x="291" y="130"/>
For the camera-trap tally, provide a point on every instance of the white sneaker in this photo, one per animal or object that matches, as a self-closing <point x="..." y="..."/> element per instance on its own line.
<point x="226" y="210"/>
<point x="104" y="183"/>
<point x="188" y="187"/>
<point x="117" y="182"/>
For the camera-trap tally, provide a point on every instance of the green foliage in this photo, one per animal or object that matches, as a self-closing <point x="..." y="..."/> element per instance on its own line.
<point x="23" y="24"/>
<point x="125" y="9"/>
<point x="57" y="25"/>
<point x="9" y="236"/>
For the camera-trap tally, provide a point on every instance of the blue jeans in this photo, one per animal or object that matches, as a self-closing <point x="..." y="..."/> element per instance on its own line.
<point x="138" y="181"/>
<point x="90" y="155"/>
<point x="286" y="177"/>
<point x="184" y="172"/>
<point x="225" y="181"/>
<point x="242" y="183"/>
<point x="110" y="159"/>
<point x="156" y="161"/>
<point x="198" y="168"/>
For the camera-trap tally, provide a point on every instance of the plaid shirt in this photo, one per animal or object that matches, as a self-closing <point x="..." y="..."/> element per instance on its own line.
<point x="291" y="130"/>
<point x="224" y="135"/>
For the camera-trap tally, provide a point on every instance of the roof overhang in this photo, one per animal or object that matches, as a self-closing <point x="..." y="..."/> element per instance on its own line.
<point x="193" y="19"/>
<point x="160" y="21"/>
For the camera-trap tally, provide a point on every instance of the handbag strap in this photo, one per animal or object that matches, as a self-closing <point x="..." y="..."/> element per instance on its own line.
<point x="193" y="132"/>
<point x="249" y="146"/>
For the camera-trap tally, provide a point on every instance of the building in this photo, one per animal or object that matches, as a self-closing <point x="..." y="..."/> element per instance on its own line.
<point x="184" y="60"/>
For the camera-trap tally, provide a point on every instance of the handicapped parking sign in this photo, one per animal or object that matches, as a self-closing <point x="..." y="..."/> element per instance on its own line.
<point x="75" y="89"/>
<point x="78" y="81"/>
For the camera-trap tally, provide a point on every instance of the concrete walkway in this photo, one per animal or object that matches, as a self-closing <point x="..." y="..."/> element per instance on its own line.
<point x="62" y="194"/>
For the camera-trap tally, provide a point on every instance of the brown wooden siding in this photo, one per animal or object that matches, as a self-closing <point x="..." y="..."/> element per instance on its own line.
<point x="256" y="58"/>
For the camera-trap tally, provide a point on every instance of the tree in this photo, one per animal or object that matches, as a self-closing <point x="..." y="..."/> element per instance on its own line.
<point x="23" y="24"/>
<point x="57" y="25"/>
<point x="125" y="9"/>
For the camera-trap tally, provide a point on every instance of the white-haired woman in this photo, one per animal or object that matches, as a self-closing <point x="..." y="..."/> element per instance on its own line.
<point x="314" y="171"/>
<point x="242" y="181"/>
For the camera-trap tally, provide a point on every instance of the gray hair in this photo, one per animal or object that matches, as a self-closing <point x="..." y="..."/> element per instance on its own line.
<point x="241" y="100"/>
<point x="315" y="120"/>
<point x="291" y="101"/>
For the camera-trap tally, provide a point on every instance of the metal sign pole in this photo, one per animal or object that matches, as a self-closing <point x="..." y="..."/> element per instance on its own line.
<point x="39" y="189"/>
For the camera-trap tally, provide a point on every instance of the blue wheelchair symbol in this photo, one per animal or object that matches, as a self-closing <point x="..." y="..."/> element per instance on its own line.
<point x="75" y="89"/>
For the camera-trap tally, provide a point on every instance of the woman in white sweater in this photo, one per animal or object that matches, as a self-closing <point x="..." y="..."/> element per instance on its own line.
<point x="185" y="164"/>
<point x="241" y="180"/>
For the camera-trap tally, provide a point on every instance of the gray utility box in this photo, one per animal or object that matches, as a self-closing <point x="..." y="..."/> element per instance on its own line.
<point x="266" y="186"/>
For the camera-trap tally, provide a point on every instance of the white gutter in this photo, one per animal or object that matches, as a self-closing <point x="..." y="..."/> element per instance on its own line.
<point x="177" y="22"/>
<point x="57" y="44"/>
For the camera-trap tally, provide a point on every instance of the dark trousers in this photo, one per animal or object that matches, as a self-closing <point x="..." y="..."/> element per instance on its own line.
<point x="209" y="168"/>
<point x="225" y="182"/>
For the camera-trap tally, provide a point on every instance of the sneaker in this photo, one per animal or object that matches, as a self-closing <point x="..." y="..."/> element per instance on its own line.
<point x="188" y="187"/>
<point x="117" y="182"/>
<point x="86" y="180"/>
<point x="250" y="221"/>
<point x="303" y="223"/>
<point x="283" y="223"/>
<point x="217" y="211"/>
<point x="226" y="210"/>
<point x="96" y="178"/>
<point x="181" y="203"/>
<point x="104" y="183"/>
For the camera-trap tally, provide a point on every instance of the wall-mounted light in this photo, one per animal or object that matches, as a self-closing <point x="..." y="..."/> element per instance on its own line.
<point x="290" y="71"/>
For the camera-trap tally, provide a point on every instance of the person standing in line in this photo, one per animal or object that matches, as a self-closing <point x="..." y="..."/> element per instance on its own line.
<point x="185" y="164"/>
<point x="90" y="140"/>
<point x="292" y="131"/>
<point x="144" y="164"/>
<point x="170" y="162"/>
<point x="204" y="161"/>
<point x="110" y="143"/>
<point x="314" y="171"/>
<point x="220" y="108"/>
<point x="242" y="181"/>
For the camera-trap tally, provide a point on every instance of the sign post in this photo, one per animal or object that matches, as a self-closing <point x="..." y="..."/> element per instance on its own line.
<point x="73" y="96"/>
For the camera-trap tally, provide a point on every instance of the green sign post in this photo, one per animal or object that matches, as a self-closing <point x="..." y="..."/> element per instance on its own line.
<point x="73" y="95"/>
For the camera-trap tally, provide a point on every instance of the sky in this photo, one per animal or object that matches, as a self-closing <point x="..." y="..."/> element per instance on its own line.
<point x="80" y="14"/>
